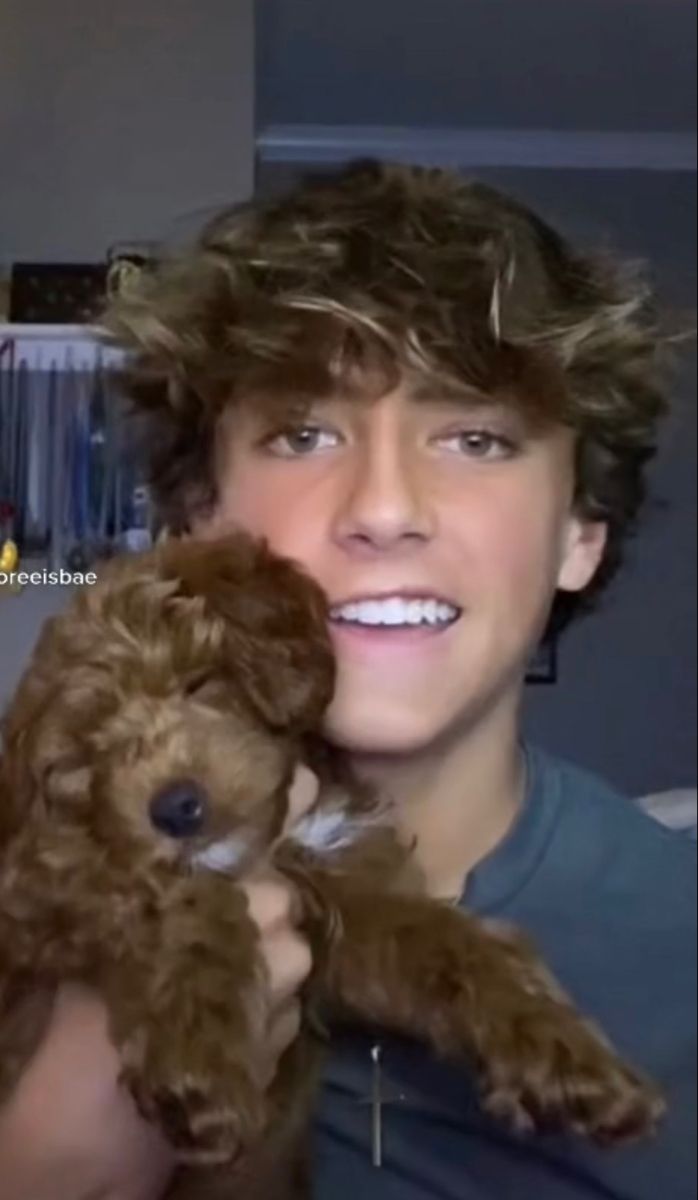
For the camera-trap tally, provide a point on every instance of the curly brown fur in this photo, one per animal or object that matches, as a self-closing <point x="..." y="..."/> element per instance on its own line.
<point x="381" y="272"/>
<point x="147" y="757"/>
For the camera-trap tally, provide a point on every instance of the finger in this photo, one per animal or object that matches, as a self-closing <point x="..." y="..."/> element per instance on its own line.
<point x="302" y="795"/>
<point x="283" y="1031"/>
<point x="289" y="963"/>
<point x="272" y="903"/>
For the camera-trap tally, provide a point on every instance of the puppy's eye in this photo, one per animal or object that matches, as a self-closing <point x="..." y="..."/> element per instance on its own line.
<point x="179" y="809"/>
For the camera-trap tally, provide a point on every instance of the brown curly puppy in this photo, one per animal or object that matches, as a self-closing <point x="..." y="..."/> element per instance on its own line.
<point x="148" y="754"/>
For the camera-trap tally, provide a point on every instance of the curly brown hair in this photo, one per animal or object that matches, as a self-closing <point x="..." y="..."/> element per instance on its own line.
<point x="357" y="279"/>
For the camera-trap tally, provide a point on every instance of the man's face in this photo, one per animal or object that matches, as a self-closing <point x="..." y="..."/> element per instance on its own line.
<point x="440" y="534"/>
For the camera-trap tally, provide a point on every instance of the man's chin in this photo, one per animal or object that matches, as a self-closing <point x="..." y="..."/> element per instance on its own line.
<point x="387" y="735"/>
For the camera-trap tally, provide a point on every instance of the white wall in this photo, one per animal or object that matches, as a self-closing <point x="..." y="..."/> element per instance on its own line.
<point x="21" y="618"/>
<point x="119" y="119"/>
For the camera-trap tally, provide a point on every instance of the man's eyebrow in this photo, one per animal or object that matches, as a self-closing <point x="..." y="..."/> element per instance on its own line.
<point x="278" y="407"/>
<point x="459" y="399"/>
<point x="441" y="393"/>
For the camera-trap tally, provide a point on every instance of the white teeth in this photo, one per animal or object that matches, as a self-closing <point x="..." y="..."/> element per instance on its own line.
<point x="393" y="612"/>
<point x="414" y="612"/>
<point x="396" y="611"/>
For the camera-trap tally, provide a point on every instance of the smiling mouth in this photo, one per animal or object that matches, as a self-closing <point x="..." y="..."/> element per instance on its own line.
<point x="396" y="613"/>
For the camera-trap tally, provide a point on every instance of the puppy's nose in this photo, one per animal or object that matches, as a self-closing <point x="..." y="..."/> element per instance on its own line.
<point x="179" y="809"/>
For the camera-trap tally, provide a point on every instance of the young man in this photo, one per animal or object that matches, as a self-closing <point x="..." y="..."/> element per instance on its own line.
<point x="414" y="388"/>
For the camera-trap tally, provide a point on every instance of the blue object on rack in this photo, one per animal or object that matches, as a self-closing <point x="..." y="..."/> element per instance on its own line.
<point x="65" y="465"/>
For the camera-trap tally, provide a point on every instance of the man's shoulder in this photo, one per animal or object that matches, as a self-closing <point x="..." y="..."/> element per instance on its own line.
<point x="610" y="870"/>
<point x="613" y="828"/>
<point x="613" y="908"/>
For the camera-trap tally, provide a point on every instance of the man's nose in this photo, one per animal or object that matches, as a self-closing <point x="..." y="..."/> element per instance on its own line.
<point x="385" y="502"/>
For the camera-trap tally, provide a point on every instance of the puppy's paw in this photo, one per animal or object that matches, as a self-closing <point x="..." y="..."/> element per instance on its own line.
<point x="559" y="1074"/>
<point x="207" y="1123"/>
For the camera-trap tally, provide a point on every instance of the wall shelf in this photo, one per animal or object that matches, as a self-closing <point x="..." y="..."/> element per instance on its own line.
<point x="77" y="346"/>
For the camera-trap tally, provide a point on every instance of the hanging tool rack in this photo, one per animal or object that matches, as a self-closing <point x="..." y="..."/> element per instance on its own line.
<point x="70" y="492"/>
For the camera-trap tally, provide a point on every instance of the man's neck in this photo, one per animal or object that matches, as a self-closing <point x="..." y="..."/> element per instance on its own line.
<point x="457" y="801"/>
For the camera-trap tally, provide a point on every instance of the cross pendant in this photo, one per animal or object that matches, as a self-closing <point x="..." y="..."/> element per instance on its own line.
<point x="377" y="1107"/>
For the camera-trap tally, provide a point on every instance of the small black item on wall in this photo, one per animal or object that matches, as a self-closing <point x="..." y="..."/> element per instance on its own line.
<point x="126" y="263"/>
<point x="543" y="667"/>
<point x="57" y="293"/>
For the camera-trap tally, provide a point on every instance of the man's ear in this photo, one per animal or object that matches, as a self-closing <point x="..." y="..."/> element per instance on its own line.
<point x="584" y="544"/>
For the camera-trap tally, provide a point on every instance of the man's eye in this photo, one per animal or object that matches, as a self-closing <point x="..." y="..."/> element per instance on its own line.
<point x="301" y="440"/>
<point x="480" y="444"/>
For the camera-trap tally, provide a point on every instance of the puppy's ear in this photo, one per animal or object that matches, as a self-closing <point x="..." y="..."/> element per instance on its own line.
<point x="270" y="620"/>
<point x="44" y="759"/>
<point x="8" y="807"/>
<point x="20" y="727"/>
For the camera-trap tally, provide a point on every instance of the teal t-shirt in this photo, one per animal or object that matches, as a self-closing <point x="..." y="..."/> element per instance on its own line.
<point x="610" y="899"/>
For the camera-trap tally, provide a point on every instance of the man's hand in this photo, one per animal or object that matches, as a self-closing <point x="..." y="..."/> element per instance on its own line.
<point x="70" y="1132"/>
